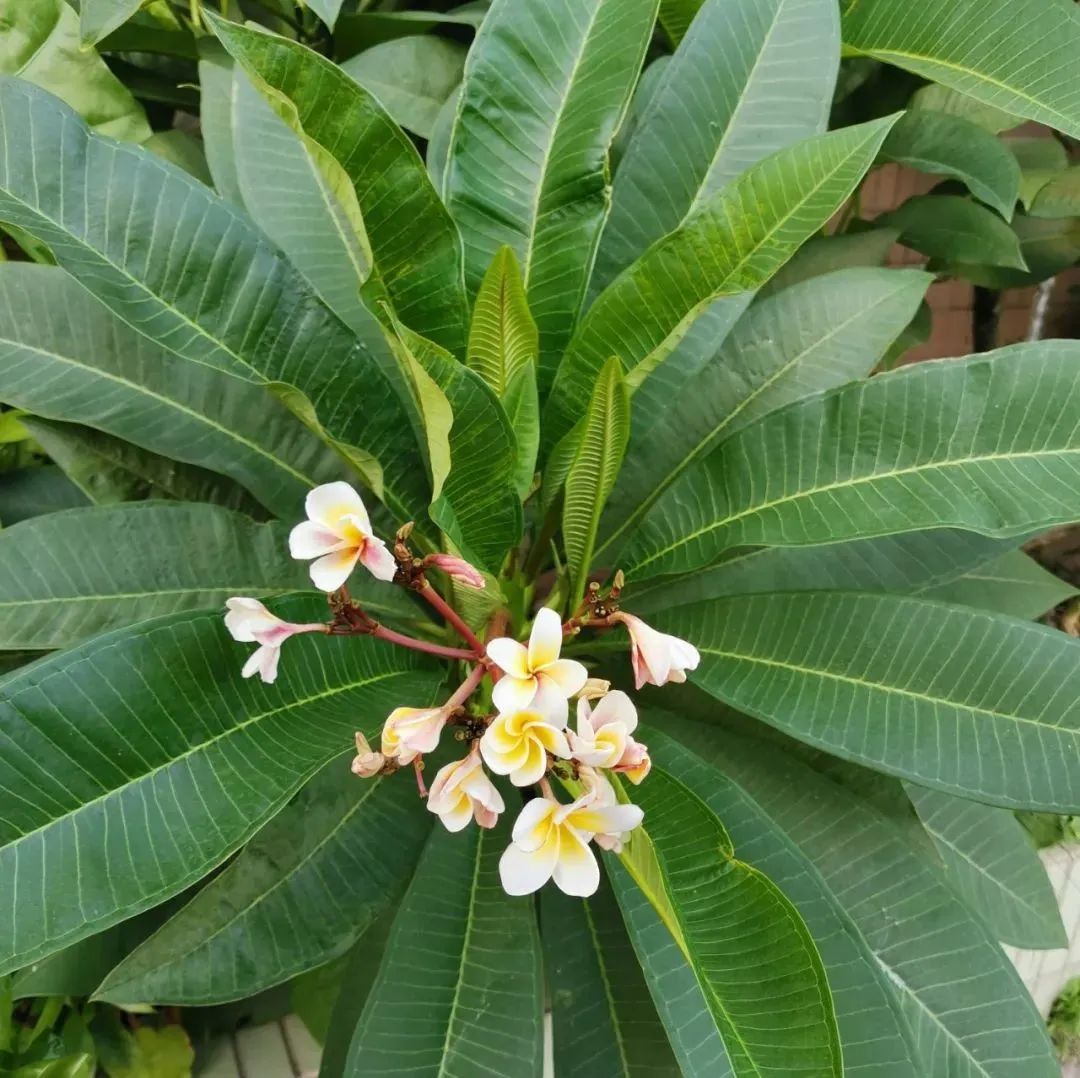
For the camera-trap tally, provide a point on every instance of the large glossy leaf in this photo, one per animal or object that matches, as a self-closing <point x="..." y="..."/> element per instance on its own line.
<point x="532" y="174"/>
<point x="937" y="98"/>
<point x="1012" y="584"/>
<point x="327" y="10"/>
<point x="733" y="243"/>
<point x="460" y="989"/>
<point x="675" y="17"/>
<point x="412" y="77"/>
<point x="68" y="576"/>
<point x="814" y="336"/>
<point x="988" y="444"/>
<point x="992" y="865"/>
<point x="955" y="229"/>
<point x="826" y="254"/>
<point x="33" y="491"/>
<point x="928" y="563"/>
<point x="945" y="145"/>
<point x="729" y="919"/>
<point x="65" y="356"/>
<point x="871" y="1034"/>
<point x="109" y="470"/>
<point x="966" y="1012"/>
<point x="1059" y="196"/>
<point x="840" y="671"/>
<point x="604" y="1025"/>
<point x="174" y="762"/>
<point x="1016" y="55"/>
<point x="218" y="101"/>
<point x="750" y="78"/>
<point x="593" y="470"/>
<point x="223" y="296"/>
<point x="41" y="44"/>
<point x="353" y="141"/>
<point x="98" y="18"/>
<point x="301" y="892"/>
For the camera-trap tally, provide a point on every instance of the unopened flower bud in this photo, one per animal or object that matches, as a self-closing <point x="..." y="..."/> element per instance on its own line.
<point x="594" y="688"/>
<point x="367" y="762"/>
<point x="456" y="567"/>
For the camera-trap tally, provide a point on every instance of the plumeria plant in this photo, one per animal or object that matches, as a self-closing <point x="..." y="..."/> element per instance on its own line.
<point x="531" y="447"/>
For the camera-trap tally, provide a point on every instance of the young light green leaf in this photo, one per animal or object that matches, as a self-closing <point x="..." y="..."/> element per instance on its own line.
<point x="733" y="243"/>
<point x="834" y="669"/>
<point x="992" y="865"/>
<point x="218" y="104"/>
<point x="412" y="77"/>
<point x="323" y="862"/>
<point x="168" y="739"/>
<point x="814" y="336"/>
<point x="534" y="175"/>
<point x="1041" y="159"/>
<point x="937" y="98"/>
<point x="521" y="402"/>
<point x="327" y="10"/>
<point x="986" y="444"/>
<point x="955" y="229"/>
<point x="98" y="18"/>
<point x="503" y="336"/>
<point x="42" y="46"/>
<point x="676" y="16"/>
<point x="466" y="999"/>
<point x="593" y="471"/>
<point x="946" y="145"/>
<point x="980" y="47"/>
<point x="1059" y="196"/>
<point x="750" y="77"/>
<point x="699" y="874"/>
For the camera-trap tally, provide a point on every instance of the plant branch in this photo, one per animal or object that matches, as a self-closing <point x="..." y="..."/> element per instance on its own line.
<point x="453" y="618"/>
<point x="383" y="633"/>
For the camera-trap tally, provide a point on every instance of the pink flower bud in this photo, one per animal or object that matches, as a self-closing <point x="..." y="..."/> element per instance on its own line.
<point x="657" y="658"/>
<point x="456" y="567"/>
<point x="367" y="762"/>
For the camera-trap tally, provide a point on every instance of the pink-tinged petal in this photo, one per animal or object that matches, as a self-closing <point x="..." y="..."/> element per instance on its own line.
<point x="330" y="502"/>
<point x="264" y="662"/>
<point x="484" y="816"/>
<point x="586" y="752"/>
<point x="532" y="770"/>
<point x="331" y="571"/>
<point x="438" y="788"/>
<point x="545" y="640"/>
<point x="584" y="717"/>
<point x="482" y="790"/>
<point x="458" y="568"/>
<point x="638" y="771"/>
<point x="513" y="694"/>
<point x="609" y="842"/>
<point x="617" y="708"/>
<point x="378" y="559"/>
<point x="522" y="871"/>
<point x="685" y="655"/>
<point x="533" y="822"/>
<point x="570" y="676"/>
<point x="246" y="616"/>
<point x="510" y="656"/>
<point x="576" y="872"/>
<point x="310" y="540"/>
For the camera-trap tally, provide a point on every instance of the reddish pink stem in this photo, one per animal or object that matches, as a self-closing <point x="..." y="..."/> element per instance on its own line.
<point x="452" y="617"/>
<point x="418" y="771"/>
<point x="467" y="687"/>
<point x="383" y="633"/>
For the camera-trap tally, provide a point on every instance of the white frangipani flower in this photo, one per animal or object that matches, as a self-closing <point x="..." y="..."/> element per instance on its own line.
<point x="462" y="791"/>
<point x="248" y="621"/>
<point x="603" y="737"/>
<point x="411" y="731"/>
<point x="657" y="658"/>
<point x="517" y="744"/>
<point x="535" y="677"/>
<point x="605" y="796"/>
<point x="337" y="534"/>
<point x="551" y="841"/>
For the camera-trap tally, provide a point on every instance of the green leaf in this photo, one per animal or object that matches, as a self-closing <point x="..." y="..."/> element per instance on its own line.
<point x="1040" y="160"/>
<point x="649" y="81"/>
<point x="323" y="862"/>
<point x="218" y="120"/>
<point x="965" y="1009"/>
<point x="327" y="10"/>
<point x="980" y="47"/>
<point x="533" y="174"/>
<point x="460" y="991"/>
<point x="826" y="254"/>
<point x="1059" y="196"/>
<point x="592" y="473"/>
<point x="984" y="444"/>
<point x="411" y="76"/>
<point x="951" y="146"/>
<point x="955" y="229"/>
<point x="782" y="1019"/>
<point x="503" y="336"/>
<point x="992" y="865"/>
<point x="750" y="77"/>
<point x="109" y="470"/>
<point x="937" y="98"/>
<point x="366" y="29"/>
<point x="1012" y="584"/>
<point x="676" y="16"/>
<point x="176" y="761"/>
<point x="66" y="357"/>
<point x="925" y="563"/>
<point x="41" y="45"/>
<point x="98" y="18"/>
<point x="814" y="336"/>
<point x="33" y="491"/>
<point x="997" y="690"/>
<point x="521" y="402"/>
<point x="604" y="1024"/>
<point x="1049" y="245"/>
<point x="183" y="150"/>
<point x="275" y="333"/>
<point x="438" y="147"/>
<point x="733" y="243"/>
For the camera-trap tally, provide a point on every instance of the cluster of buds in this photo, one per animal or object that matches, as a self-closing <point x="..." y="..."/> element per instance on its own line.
<point x="528" y="738"/>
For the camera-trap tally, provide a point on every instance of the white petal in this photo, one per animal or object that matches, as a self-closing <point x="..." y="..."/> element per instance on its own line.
<point x="545" y="640"/>
<point x="532" y="770"/>
<point x="245" y="616"/>
<point x="524" y="872"/>
<point x="328" y="573"/>
<point x="576" y="871"/>
<point x="513" y="694"/>
<point x="569" y="675"/>
<point x="509" y="656"/>
<point x="377" y="559"/>
<point x="458" y="817"/>
<point x="310" y="540"/>
<point x="264" y="662"/>
<point x="616" y="707"/>
<point x="527" y="831"/>
<point x="684" y="654"/>
<point x="332" y="501"/>
<point x="550" y="701"/>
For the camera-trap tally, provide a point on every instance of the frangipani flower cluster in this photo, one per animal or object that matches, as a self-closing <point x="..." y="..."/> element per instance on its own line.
<point x="526" y="740"/>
